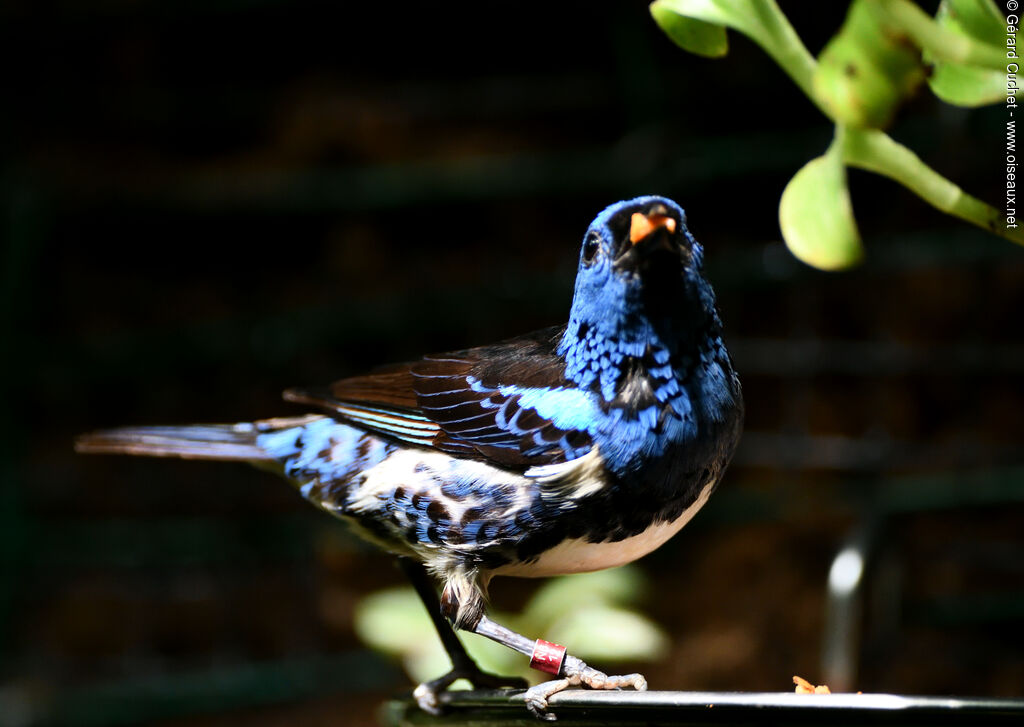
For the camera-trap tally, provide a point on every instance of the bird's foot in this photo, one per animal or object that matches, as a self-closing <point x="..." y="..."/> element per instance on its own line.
<point x="576" y="673"/>
<point x="427" y="694"/>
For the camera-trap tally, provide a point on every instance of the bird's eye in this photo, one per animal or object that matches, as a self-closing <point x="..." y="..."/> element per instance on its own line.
<point x="590" y="247"/>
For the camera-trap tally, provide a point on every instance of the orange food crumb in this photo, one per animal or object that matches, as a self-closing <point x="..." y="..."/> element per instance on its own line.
<point x="805" y="687"/>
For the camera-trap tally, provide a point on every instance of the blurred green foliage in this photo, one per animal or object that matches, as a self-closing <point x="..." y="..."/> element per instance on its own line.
<point x="591" y="613"/>
<point x="883" y="52"/>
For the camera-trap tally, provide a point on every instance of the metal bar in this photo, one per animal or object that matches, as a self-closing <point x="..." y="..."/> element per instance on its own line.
<point x="844" y="606"/>
<point x="585" y="707"/>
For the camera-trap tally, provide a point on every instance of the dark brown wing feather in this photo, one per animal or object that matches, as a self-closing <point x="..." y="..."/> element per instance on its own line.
<point x="393" y="387"/>
<point x="434" y="402"/>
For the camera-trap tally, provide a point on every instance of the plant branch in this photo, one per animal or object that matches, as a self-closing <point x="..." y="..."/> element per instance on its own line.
<point x="780" y="40"/>
<point x="764" y="23"/>
<point x="941" y="43"/>
<point x="879" y="153"/>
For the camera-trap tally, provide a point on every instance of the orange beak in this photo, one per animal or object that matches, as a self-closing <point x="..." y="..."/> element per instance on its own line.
<point x="641" y="226"/>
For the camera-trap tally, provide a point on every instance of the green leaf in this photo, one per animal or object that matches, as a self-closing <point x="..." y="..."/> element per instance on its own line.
<point x="496" y="658"/>
<point x="564" y="595"/>
<point x="959" y="83"/>
<point x="929" y="35"/>
<point x="741" y="15"/>
<point x="393" y="620"/>
<point x="428" y="662"/>
<point x="967" y="85"/>
<point x="697" y="36"/>
<point x="976" y="19"/>
<point x="610" y="634"/>
<point x="816" y="215"/>
<point x="760" y="20"/>
<point x="868" y="68"/>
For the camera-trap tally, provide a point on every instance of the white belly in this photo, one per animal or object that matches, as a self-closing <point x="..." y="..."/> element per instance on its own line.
<point x="580" y="556"/>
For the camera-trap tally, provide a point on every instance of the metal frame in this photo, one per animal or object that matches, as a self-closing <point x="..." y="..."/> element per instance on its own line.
<point x="586" y="707"/>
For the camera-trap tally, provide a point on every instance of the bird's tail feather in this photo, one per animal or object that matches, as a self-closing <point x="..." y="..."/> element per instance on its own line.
<point x="198" y="441"/>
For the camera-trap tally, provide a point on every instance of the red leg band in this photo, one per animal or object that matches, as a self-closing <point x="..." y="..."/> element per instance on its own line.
<point x="547" y="657"/>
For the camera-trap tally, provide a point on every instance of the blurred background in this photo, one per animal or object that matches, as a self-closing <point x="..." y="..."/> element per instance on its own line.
<point x="207" y="202"/>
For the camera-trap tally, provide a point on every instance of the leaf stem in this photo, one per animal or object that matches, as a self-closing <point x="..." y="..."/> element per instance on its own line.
<point x="763" y="22"/>
<point x="941" y="43"/>
<point x="877" y="152"/>
<point x="780" y="40"/>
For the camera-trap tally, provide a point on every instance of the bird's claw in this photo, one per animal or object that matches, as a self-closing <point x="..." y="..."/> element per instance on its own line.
<point x="577" y="673"/>
<point x="427" y="694"/>
<point x="537" y="697"/>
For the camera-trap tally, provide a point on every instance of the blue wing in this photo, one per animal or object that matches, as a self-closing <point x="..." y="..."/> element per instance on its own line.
<point x="508" y="403"/>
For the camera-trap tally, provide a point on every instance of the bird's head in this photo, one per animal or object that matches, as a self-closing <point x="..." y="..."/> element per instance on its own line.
<point x="641" y="275"/>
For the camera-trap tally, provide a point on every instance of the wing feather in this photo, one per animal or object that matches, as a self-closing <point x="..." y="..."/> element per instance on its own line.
<point x="467" y="403"/>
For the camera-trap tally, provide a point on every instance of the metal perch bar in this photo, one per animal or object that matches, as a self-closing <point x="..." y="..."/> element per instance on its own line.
<point x="586" y="707"/>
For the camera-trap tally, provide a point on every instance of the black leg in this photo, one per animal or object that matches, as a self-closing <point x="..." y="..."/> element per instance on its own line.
<point x="463" y="667"/>
<point x="417" y="575"/>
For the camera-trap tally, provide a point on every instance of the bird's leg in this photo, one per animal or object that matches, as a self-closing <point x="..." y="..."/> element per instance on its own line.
<point x="551" y="658"/>
<point x="463" y="667"/>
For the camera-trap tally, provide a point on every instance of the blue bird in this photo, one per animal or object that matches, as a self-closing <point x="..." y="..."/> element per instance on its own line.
<point x="570" y="449"/>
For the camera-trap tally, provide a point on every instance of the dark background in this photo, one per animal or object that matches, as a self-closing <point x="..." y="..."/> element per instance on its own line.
<point x="207" y="202"/>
